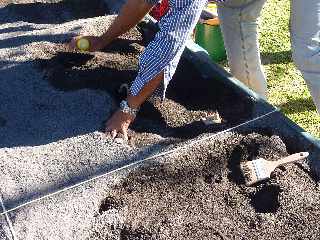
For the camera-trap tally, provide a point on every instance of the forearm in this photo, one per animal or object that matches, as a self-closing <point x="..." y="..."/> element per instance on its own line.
<point x="147" y="90"/>
<point x="130" y="15"/>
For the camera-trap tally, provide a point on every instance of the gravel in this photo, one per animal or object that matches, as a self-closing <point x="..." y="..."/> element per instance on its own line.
<point x="50" y="138"/>
<point x="5" y="233"/>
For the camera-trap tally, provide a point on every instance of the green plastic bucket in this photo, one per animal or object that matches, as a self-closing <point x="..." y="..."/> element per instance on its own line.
<point x="210" y="38"/>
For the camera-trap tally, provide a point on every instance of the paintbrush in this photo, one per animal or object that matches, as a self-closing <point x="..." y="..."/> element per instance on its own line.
<point x="260" y="169"/>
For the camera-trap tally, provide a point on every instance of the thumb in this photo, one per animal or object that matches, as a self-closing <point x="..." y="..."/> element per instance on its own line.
<point x="113" y="134"/>
<point x="73" y="43"/>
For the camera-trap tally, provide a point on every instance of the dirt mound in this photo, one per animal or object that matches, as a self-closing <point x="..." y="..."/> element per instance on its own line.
<point x="198" y="194"/>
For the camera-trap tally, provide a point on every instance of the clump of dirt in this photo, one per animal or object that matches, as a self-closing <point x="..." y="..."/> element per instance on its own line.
<point x="108" y="204"/>
<point x="138" y="234"/>
<point x="192" y="194"/>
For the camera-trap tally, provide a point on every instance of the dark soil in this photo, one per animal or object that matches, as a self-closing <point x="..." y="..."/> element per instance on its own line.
<point x="267" y="199"/>
<point x="189" y="96"/>
<point x="139" y="234"/>
<point x="109" y="203"/>
<point x="197" y="194"/>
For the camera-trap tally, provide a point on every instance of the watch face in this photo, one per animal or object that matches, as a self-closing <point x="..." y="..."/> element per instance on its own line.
<point x="123" y="104"/>
<point x="124" y="107"/>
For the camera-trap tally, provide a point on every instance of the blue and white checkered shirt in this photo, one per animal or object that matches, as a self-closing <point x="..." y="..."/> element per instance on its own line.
<point x="164" y="52"/>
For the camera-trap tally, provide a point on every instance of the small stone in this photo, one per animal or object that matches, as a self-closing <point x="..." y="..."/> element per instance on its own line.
<point x="119" y="140"/>
<point x="212" y="118"/>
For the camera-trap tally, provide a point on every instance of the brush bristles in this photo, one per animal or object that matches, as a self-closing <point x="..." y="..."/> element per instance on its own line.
<point x="255" y="171"/>
<point x="248" y="172"/>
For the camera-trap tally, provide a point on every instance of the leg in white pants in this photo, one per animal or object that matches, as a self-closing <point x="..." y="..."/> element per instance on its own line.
<point x="239" y="27"/>
<point x="239" y="24"/>
<point x="305" y="40"/>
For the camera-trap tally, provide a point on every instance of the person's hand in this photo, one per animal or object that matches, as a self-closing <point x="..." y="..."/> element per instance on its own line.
<point x="119" y="124"/>
<point x="96" y="43"/>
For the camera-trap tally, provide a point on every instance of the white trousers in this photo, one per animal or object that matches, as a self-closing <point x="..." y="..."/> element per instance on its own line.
<point x="239" y="24"/>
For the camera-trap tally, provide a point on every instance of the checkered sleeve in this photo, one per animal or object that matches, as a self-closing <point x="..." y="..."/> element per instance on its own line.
<point x="164" y="52"/>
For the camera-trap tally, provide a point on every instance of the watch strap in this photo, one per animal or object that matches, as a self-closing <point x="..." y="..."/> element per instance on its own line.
<point x="124" y="107"/>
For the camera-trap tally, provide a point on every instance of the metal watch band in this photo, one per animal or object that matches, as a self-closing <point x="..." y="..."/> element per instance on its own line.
<point x="124" y="107"/>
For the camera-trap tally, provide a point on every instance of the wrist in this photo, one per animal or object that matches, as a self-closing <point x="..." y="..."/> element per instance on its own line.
<point x="127" y="109"/>
<point x="134" y="101"/>
<point x="105" y="39"/>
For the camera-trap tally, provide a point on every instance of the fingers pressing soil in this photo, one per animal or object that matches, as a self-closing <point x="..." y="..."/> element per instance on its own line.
<point x="177" y="117"/>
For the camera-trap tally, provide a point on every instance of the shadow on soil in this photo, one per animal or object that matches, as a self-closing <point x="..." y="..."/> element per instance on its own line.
<point x="25" y="28"/>
<point x="43" y="111"/>
<point x="23" y="40"/>
<point x="49" y="108"/>
<point x="266" y="199"/>
<point x="52" y="13"/>
<point x="32" y="114"/>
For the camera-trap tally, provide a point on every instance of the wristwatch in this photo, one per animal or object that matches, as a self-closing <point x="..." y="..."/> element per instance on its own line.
<point x="124" y="107"/>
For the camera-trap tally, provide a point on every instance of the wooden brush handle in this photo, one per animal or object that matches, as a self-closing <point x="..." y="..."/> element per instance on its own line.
<point x="293" y="158"/>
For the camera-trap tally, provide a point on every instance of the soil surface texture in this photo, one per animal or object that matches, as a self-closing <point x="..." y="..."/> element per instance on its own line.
<point x="198" y="193"/>
<point x="54" y="104"/>
<point x="193" y="193"/>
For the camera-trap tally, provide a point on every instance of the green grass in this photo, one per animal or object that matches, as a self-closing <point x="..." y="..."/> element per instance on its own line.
<point x="286" y="87"/>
